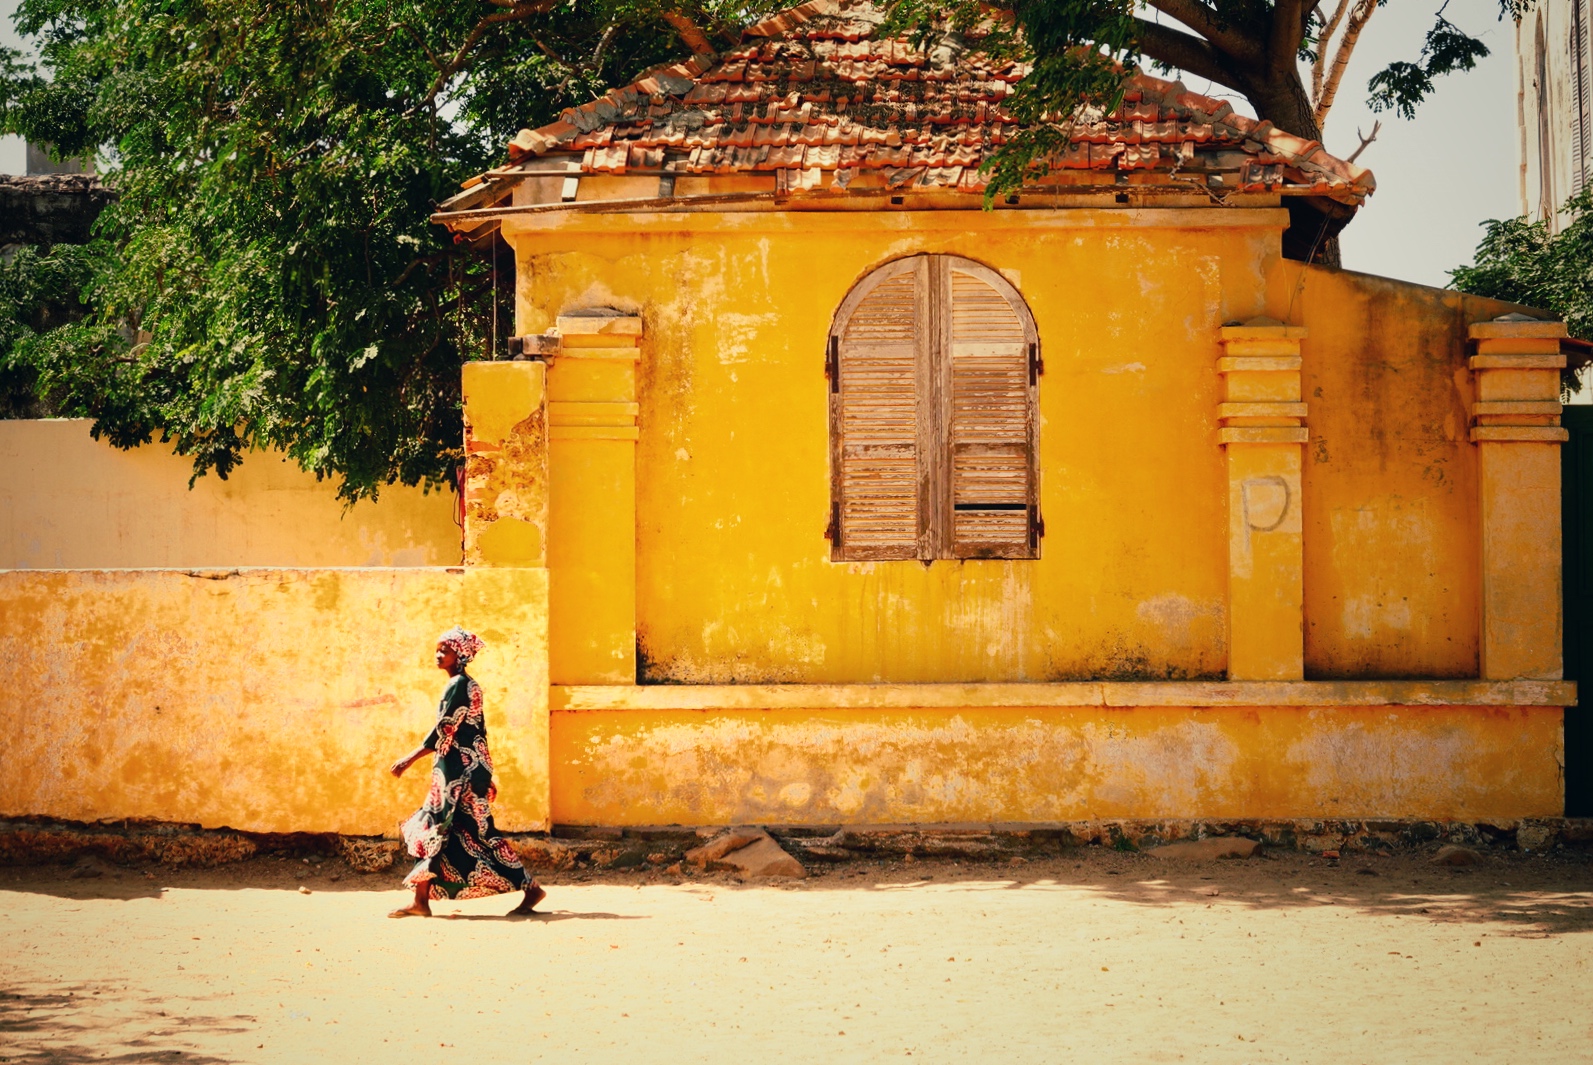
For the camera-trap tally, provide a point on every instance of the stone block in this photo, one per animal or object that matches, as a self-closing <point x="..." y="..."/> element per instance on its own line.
<point x="1208" y="849"/>
<point x="368" y="855"/>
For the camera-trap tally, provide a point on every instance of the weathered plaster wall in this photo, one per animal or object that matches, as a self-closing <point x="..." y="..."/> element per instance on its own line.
<point x="734" y="581"/>
<point x="887" y="765"/>
<point x="1392" y="531"/>
<point x="265" y="700"/>
<point x="69" y="501"/>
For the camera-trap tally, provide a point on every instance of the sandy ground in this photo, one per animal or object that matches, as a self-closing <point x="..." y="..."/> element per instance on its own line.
<point x="1104" y="958"/>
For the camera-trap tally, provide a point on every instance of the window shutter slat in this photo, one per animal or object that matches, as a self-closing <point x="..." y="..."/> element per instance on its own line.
<point x="878" y="424"/>
<point x="991" y="423"/>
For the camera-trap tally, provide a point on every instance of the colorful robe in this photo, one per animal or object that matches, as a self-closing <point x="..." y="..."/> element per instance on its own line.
<point x="452" y="836"/>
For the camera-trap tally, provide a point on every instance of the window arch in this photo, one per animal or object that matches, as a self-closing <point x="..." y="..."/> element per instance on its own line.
<point x="933" y="364"/>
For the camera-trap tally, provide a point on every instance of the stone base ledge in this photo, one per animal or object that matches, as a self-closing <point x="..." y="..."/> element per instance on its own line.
<point x="579" y="698"/>
<point x="39" y="841"/>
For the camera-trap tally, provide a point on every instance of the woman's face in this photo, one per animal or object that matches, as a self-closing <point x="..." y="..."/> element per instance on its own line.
<point x="446" y="659"/>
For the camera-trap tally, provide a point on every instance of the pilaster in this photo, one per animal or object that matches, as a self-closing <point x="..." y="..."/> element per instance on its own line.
<point x="1515" y="424"/>
<point x="592" y="435"/>
<point x="1262" y="428"/>
<point x="506" y="464"/>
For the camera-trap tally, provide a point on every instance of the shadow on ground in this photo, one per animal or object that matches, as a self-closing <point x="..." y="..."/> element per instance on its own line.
<point x="88" y="1022"/>
<point x="1533" y="894"/>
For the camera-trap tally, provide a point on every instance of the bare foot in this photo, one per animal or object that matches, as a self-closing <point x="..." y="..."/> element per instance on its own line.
<point x="412" y="910"/>
<point x="533" y="895"/>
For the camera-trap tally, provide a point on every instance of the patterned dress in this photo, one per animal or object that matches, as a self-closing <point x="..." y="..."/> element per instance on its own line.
<point x="452" y="836"/>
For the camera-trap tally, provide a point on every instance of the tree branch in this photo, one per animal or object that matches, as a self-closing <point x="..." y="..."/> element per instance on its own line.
<point x="1186" y="52"/>
<point x="513" y="12"/>
<point x="1325" y="38"/>
<point x="1283" y="39"/>
<point x="1377" y="127"/>
<point x="690" y="34"/>
<point x="1223" y="36"/>
<point x="1341" y="58"/>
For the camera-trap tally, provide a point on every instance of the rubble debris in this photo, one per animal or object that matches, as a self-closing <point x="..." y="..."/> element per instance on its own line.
<point x="1208" y="849"/>
<point x="1454" y="854"/>
<point x="752" y="852"/>
<point x="368" y="855"/>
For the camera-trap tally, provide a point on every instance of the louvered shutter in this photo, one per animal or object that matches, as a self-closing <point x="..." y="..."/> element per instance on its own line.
<point x="1582" y="124"/>
<point x="990" y="418"/>
<point x="875" y="419"/>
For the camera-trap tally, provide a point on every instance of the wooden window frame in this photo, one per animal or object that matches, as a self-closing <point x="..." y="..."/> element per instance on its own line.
<point x="934" y="365"/>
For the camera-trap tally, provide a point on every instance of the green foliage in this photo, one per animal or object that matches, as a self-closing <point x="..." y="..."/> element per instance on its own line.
<point x="1522" y="262"/>
<point x="42" y="294"/>
<point x="1401" y="85"/>
<point x="1079" y="47"/>
<point x="268" y="275"/>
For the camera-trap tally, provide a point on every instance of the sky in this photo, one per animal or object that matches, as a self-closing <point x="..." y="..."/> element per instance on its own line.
<point x="1439" y="176"/>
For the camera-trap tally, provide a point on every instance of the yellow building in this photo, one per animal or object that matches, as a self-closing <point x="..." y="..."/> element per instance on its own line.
<point x="860" y="502"/>
<point x="818" y="494"/>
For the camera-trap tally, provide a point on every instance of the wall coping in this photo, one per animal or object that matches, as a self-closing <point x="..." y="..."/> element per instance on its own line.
<point x="516" y="221"/>
<point x="581" y="698"/>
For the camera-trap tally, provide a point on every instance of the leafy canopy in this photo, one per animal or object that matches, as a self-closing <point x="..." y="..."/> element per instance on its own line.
<point x="1522" y="262"/>
<point x="1254" y="47"/>
<point x="268" y="275"/>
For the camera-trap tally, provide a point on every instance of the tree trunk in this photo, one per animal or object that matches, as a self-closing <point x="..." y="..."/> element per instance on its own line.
<point x="1280" y="97"/>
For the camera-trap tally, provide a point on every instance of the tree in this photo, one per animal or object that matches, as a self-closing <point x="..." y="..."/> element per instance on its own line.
<point x="1522" y="262"/>
<point x="1255" y="47"/>
<point x="268" y="275"/>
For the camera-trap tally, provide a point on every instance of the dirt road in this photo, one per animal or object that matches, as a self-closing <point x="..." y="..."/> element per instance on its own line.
<point x="1107" y="958"/>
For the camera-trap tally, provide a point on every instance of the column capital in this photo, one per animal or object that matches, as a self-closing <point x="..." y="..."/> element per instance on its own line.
<point x="1260" y="367"/>
<point x="1516" y="370"/>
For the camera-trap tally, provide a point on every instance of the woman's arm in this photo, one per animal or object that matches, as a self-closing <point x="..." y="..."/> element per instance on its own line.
<point x="408" y="760"/>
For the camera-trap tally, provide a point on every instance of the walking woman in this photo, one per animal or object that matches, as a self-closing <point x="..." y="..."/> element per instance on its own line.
<point x="458" y="850"/>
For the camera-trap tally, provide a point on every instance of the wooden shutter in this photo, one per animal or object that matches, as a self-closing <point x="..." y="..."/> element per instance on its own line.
<point x="990" y="417"/>
<point x="933" y="437"/>
<point x="874" y="417"/>
<point x="1582" y="123"/>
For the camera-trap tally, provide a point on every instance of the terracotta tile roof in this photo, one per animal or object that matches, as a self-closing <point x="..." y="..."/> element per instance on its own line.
<point x="814" y="93"/>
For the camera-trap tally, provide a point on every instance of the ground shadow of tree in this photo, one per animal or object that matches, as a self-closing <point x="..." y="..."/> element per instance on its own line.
<point x="1530" y="896"/>
<point x="100" y="1023"/>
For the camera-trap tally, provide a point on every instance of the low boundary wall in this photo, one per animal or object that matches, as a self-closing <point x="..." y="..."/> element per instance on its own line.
<point x="273" y="700"/>
<point x="839" y="754"/>
<point x="266" y="700"/>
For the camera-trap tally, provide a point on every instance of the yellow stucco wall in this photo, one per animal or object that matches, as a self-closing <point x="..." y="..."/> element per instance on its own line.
<point x="885" y="765"/>
<point x="1392" y="533"/>
<point x="734" y="581"/>
<point x="265" y="700"/>
<point x="69" y="501"/>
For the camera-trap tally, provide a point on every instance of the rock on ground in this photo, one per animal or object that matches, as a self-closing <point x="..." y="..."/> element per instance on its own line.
<point x="368" y="855"/>
<point x="1454" y="854"/>
<point x="1206" y="849"/>
<point x="748" y="851"/>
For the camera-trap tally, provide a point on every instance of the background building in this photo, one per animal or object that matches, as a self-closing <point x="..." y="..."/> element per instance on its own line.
<point x="1555" y="105"/>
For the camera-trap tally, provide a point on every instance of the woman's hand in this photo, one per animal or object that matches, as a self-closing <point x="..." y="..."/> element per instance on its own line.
<point x="398" y="767"/>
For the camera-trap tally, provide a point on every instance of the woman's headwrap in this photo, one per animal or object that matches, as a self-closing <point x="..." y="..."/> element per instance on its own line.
<point x="465" y="645"/>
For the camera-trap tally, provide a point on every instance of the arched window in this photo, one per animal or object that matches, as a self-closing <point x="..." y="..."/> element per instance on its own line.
<point x="933" y="365"/>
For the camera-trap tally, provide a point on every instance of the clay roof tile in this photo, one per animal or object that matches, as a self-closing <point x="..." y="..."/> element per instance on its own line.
<point x="814" y="90"/>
